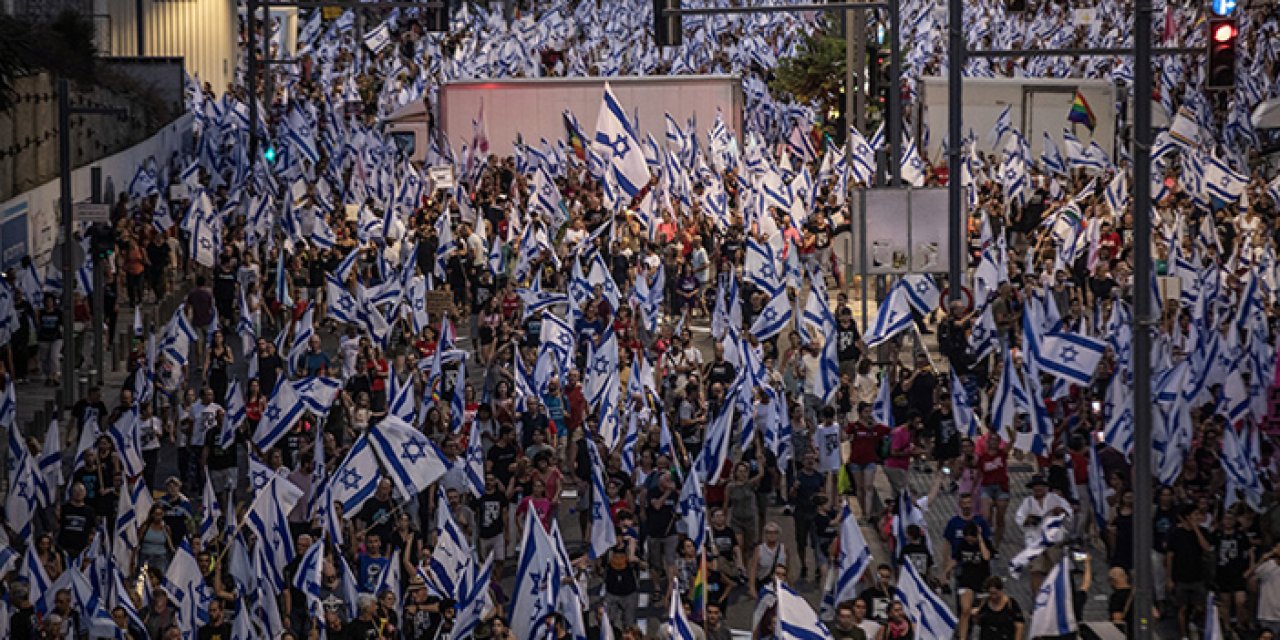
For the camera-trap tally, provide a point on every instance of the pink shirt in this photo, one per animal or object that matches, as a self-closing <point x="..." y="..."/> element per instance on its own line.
<point x="899" y="441"/>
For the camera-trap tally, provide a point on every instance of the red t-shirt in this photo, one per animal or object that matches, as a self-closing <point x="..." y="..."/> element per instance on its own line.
<point x="863" y="442"/>
<point x="993" y="460"/>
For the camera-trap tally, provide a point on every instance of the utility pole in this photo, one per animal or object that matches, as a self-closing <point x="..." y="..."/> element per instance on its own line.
<point x="957" y="218"/>
<point x="99" y="296"/>
<point x="893" y="129"/>
<point x="1143" y="320"/>
<point x="65" y="111"/>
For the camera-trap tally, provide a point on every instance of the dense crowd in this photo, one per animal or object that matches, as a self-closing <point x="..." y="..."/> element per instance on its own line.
<point x="506" y="408"/>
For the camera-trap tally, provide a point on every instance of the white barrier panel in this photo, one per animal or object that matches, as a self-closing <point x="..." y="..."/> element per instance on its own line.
<point x="29" y="221"/>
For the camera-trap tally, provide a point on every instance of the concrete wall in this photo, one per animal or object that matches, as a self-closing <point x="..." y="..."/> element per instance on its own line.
<point x="202" y="32"/>
<point x="29" y="132"/>
<point x="29" y="221"/>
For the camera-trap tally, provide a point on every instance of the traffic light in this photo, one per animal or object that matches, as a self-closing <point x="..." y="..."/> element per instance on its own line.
<point x="878" y="76"/>
<point x="668" y="30"/>
<point x="1223" y="36"/>
<point x="269" y="154"/>
<point x="102" y="241"/>
<point x="436" y="19"/>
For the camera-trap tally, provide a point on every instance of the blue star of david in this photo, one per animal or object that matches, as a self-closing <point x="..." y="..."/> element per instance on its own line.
<point x="413" y="451"/>
<point x="893" y="315"/>
<point x="347" y="304"/>
<point x="1068" y="354"/>
<point x="767" y="272"/>
<point x="546" y="191"/>
<point x="916" y="163"/>
<point x="351" y="479"/>
<point x="536" y="579"/>
<point x="206" y="243"/>
<point x="862" y="150"/>
<point x="980" y="334"/>
<point x="260" y="479"/>
<point x="596" y="512"/>
<point x="922" y="286"/>
<point x="203" y="593"/>
<point x="273" y="413"/>
<point x="23" y="488"/>
<point x="1011" y="175"/>
<point x="565" y="340"/>
<point x="770" y="315"/>
<point x="602" y="366"/>
<point x="620" y="146"/>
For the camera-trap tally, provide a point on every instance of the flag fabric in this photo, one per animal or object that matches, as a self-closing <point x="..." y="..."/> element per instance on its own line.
<point x="411" y="459"/>
<point x="619" y="145"/>
<point x="693" y="510"/>
<point x="1052" y="531"/>
<point x="283" y="409"/>
<point x="882" y="408"/>
<point x="853" y="559"/>
<point x="775" y="316"/>
<point x="210" y="511"/>
<point x="1072" y="357"/>
<point x="930" y="613"/>
<point x="1081" y="113"/>
<point x="796" y="620"/>
<point x="603" y="536"/>
<point x="32" y="571"/>
<point x="267" y="518"/>
<point x="962" y="408"/>
<point x="355" y="479"/>
<point x="681" y="628"/>
<point x="308" y="578"/>
<point x="187" y="589"/>
<point x="1054" y="614"/>
<point x="892" y="318"/>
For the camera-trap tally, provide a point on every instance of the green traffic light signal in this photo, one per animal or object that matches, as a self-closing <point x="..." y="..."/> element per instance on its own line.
<point x="269" y="155"/>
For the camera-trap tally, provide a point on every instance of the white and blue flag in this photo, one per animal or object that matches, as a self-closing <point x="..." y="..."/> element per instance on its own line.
<point x="1054" y="614"/>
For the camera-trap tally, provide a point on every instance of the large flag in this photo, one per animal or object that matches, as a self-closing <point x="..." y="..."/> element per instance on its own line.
<point x="775" y="316"/>
<point x="618" y="143"/>
<point x="267" y="517"/>
<point x="537" y="556"/>
<point x="853" y="559"/>
<point x="308" y="578"/>
<point x="32" y="571"/>
<point x="1054" y="614"/>
<point x="187" y="590"/>
<point x="893" y="317"/>
<point x="411" y="459"/>
<point x="796" y="620"/>
<point x="693" y="510"/>
<point x="603" y="536"/>
<point x="681" y="628"/>
<point x="930" y="613"/>
<point x="283" y="409"/>
<point x="1071" y="356"/>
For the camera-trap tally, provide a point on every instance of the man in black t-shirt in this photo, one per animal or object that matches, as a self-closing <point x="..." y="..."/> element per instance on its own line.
<point x="218" y="628"/>
<point x="502" y="455"/>
<point x="1184" y="564"/>
<point x="849" y="344"/>
<point x="76" y="520"/>
<point x="659" y="525"/>
<point x="726" y="545"/>
<point x="491" y="511"/>
<point x="376" y="514"/>
<point x="878" y="596"/>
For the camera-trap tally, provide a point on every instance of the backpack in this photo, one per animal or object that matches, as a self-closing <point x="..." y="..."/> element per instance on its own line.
<point x="885" y="448"/>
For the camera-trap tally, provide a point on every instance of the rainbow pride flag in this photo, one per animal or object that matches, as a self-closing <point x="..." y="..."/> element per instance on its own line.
<point x="698" y="590"/>
<point x="1080" y="112"/>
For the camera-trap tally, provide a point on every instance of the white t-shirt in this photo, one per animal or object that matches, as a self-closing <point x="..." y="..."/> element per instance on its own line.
<point x="827" y="441"/>
<point x="204" y="422"/>
<point x="1268" y="574"/>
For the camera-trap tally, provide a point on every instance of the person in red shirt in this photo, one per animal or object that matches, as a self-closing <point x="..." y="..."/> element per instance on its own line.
<point x="577" y="401"/>
<point x="864" y="436"/>
<point x="993" y="460"/>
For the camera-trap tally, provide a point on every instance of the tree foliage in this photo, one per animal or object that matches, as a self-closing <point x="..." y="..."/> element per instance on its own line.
<point x="815" y="75"/>
<point x="63" y="46"/>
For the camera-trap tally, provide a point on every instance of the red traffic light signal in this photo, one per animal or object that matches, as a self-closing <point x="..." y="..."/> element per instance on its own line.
<point x="1224" y="32"/>
<point x="1223" y="37"/>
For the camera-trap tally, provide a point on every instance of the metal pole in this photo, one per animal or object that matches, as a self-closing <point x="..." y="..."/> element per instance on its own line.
<point x="1094" y="51"/>
<point x="251" y="79"/>
<point x="68" y="239"/>
<point x="1142" y="319"/>
<point x="852" y="87"/>
<point x="99" y="296"/>
<point x="858" y="22"/>
<point x="142" y="37"/>
<point x="894" y="127"/>
<point x="955" y="204"/>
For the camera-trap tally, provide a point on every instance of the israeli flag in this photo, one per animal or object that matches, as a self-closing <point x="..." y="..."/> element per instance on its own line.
<point x="267" y="518"/>
<point x="1072" y="357"/>
<point x="715" y="448"/>
<point x="922" y="292"/>
<point x="853" y="559"/>
<point x="210" y="511"/>
<point x="1054" y="613"/>
<point x="187" y="589"/>
<point x="796" y="620"/>
<point x="617" y="142"/>
<point x="1223" y="182"/>
<point x="32" y="570"/>
<point x="283" y="410"/>
<point x="962" y="408"/>
<point x="893" y="316"/>
<point x="1004" y="123"/>
<point x="412" y="460"/>
<point x="930" y="613"/>
<point x="882" y="408"/>
<point x="474" y="461"/>
<point x="603" y="536"/>
<point x="775" y="316"/>
<point x="1050" y="158"/>
<point x="1051" y="532"/>
<point x="680" y="628"/>
<point x="693" y="510"/>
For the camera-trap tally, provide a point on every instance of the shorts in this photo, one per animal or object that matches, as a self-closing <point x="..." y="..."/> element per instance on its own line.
<point x="1188" y="594"/>
<point x="496" y="545"/>
<point x="1229" y="582"/>
<point x="855" y="467"/>
<point x="994" y="492"/>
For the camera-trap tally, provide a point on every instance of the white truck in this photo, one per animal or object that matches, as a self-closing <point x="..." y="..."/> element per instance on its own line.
<point x="1038" y="105"/>
<point x="534" y="108"/>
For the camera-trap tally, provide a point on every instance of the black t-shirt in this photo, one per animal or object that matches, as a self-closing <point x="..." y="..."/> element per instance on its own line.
<point x="1231" y="554"/>
<point x="1119" y="602"/>
<point x="1002" y="624"/>
<point x="770" y="461"/>
<point x="972" y="570"/>
<point x="219" y="458"/>
<point x="620" y="578"/>
<point x="917" y="553"/>
<point x="1164" y="522"/>
<point x="877" y="601"/>
<point x="74" y="527"/>
<point x="362" y="630"/>
<point x="659" y="523"/>
<point x="376" y="514"/>
<point x="1188" y="557"/>
<point x="582" y="461"/>
<point x="721" y="371"/>
<point x="489" y="509"/>
<point x="269" y="368"/>
<point x="725" y="542"/>
<point x="501" y="458"/>
<point x="214" y="632"/>
<point x="847" y="342"/>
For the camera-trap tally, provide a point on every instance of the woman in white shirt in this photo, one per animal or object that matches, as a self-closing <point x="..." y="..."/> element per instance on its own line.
<point x="151" y="428"/>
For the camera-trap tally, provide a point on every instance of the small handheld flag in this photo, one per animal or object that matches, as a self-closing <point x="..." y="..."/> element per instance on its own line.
<point x="1081" y="113"/>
